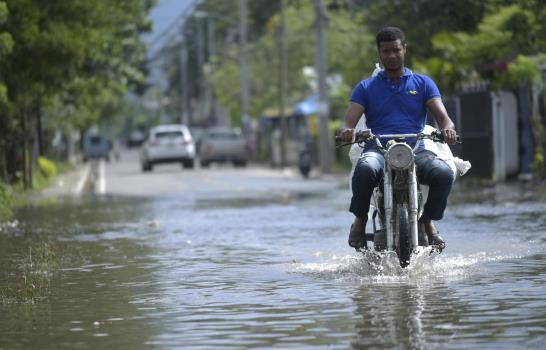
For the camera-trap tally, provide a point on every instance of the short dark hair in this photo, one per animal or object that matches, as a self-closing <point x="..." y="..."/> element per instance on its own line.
<point x="390" y="34"/>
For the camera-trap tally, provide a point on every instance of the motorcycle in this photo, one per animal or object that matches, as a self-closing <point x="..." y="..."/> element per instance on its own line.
<point x="304" y="162"/>
<point x="398" y="199"/>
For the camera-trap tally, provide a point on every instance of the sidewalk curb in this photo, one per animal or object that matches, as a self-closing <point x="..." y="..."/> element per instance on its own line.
<point x="82" y="180"/>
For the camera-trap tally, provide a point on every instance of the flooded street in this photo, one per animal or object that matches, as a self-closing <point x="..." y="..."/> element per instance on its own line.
<point x="260" y="260"/>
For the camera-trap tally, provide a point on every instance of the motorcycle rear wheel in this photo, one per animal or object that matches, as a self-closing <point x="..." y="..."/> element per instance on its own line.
<point x="403" y="248"/>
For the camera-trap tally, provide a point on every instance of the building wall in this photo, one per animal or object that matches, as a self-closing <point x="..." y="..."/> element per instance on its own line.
<point x="488" y="124"/>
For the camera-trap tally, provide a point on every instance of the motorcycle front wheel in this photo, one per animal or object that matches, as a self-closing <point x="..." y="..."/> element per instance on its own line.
<point x="403" y="248"/>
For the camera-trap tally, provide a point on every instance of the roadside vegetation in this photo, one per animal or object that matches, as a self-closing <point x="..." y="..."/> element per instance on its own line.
<point x="14" y="195"/>
<point x="66" y="66"/>
<point x="6" y="202"/>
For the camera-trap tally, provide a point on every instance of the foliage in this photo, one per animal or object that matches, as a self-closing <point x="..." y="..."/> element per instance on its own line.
<point x="348" y="47"/>
<point x="70" y="62"/>
<point x="6" y="202"/>
<point x="47" y="168"/>
<point x="422" y="19"/>
<point x="522" y="69"/>
<point x="6" y="46"/>
<point x="502" y="39"/>
<point x="539" y="165"/>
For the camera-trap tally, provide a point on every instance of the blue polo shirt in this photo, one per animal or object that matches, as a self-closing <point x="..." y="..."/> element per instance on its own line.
<point x="395" y="107"/>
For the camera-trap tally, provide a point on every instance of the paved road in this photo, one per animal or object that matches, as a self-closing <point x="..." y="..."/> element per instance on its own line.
<point x="124" y="177"/>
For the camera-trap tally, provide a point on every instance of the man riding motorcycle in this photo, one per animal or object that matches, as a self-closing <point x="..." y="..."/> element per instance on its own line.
<point x="396" y="101"/>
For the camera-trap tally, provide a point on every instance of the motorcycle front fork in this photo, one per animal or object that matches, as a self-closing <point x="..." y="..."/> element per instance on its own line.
<point x="413" y="207"/>
<point x="388" y="205"/>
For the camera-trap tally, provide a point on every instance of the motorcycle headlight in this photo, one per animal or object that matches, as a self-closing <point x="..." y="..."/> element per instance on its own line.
<point x="399" y="156"/>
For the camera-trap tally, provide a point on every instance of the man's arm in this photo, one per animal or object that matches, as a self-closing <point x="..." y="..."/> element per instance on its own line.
<point x="438" y="110"/>
<point x="352" y="116"/>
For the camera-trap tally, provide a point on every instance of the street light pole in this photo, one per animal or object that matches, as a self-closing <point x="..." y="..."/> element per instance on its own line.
<point x="325" y="156"/>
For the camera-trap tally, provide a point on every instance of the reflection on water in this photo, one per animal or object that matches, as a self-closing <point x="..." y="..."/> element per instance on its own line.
<point x="203" y="274"/>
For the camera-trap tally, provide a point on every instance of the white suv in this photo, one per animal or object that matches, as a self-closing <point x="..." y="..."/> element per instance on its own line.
<point x="168" y="144"/>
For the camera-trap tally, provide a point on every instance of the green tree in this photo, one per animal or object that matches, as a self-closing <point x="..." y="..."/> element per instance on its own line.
<point x="506" y="50"/>
<point x="350" y="54"/>
<point x="422" y="19"/>
<point x="77" y="58"/>
<point x="6" y="46"/>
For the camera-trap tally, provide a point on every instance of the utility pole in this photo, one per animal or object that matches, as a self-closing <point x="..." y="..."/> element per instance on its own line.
<point x="210" y="115"/>
<point x="184" y="82"/>
<point x="325" y="150"/>
<point x="200" y="64"/>
<point x="210" y="38"/>
<point x="282" y="85"/>
<point x="243" y="62"/>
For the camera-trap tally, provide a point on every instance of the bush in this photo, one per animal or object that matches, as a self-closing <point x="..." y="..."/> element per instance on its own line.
<point x="6" y="202"/>
<point x="538" y="164"/>
<point x="47" y="168"/>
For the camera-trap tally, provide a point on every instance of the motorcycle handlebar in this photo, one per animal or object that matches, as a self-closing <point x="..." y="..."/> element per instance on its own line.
<point x="366" y="135"/>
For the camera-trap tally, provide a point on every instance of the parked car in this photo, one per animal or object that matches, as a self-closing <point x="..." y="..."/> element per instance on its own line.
<point x="135" y="138"/>
<point x="95" y="146"/>
<point x="221" y="144"/>
<point x="197" y="134"/>
<point x="168" y="144"/>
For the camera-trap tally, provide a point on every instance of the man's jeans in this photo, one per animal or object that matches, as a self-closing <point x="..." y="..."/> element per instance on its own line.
<point x="431" y="171"/>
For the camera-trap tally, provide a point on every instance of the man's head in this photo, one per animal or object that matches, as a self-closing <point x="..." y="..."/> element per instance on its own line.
<point x="391" y="45"/>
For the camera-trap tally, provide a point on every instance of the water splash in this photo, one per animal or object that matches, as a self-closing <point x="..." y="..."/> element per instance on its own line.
<point x="375" y="267"/>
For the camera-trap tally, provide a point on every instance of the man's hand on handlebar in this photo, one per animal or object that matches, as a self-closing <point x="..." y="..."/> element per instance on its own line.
<point x="450" y="136"/>
<point x="347" y="135"/>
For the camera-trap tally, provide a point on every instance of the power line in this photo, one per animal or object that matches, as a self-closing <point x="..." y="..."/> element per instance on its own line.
<point x="175" y="23"/>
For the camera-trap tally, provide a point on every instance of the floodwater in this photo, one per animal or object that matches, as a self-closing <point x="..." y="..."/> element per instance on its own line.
<point x="274" y="272"/>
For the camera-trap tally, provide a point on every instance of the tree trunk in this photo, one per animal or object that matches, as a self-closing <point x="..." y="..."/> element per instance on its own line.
<point x="39" y="132"/>
<point x="26" y="179"/>
<point x="27" y="160"/>
<point x="3" y="168"/>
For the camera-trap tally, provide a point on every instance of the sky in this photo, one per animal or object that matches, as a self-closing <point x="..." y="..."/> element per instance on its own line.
<point x="165" y="17"/>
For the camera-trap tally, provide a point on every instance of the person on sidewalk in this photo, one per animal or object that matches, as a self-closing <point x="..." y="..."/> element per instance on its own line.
<point x="396" y="100"/>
